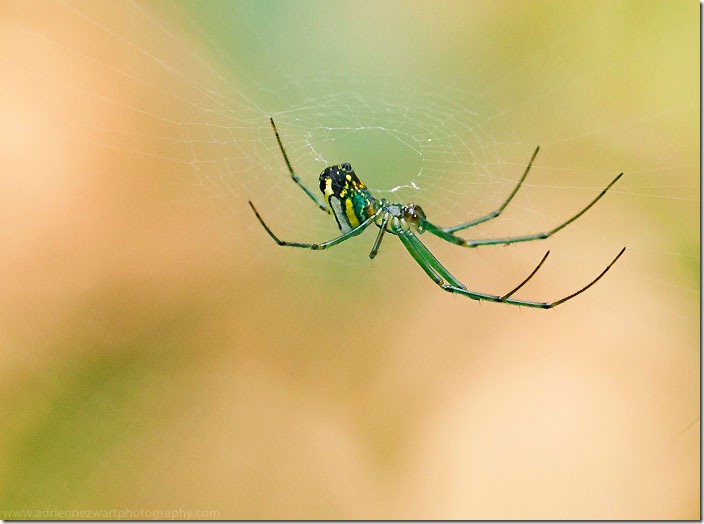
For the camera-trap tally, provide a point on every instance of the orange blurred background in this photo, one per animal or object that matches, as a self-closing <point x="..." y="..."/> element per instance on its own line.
<point x="162" y="354"/>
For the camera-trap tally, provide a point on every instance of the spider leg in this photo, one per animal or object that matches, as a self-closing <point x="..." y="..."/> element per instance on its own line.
<point x="295" y="178"/>
<point x="598" y="277"/>
<point x="497" y="211"/>
<point x="382" y="230"/>
<point x="527" y="279"/>
<point x="425" y="259"/>
<point x="438" y="273"/>
<point x="450" y="237"/>
<point x="324" y="245"/>
<point x="530" y="303"/>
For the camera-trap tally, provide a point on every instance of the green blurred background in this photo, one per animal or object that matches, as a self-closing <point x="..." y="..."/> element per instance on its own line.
<point x="160" y="353"/>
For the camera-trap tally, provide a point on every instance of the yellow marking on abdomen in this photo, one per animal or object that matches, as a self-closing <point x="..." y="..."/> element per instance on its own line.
<point x="349" y="211"/>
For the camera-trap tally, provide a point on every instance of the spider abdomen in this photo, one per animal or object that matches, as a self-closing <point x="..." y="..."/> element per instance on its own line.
<point x="347" y="196"/>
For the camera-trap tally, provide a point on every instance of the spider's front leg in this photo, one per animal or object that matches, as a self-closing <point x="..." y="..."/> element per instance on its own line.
<point x="422" y="255"/>
<point x="497" y="211"/>
<point x="448" y="233"/>
<point x="529" y="303"/>
<point x="443" y="278"/>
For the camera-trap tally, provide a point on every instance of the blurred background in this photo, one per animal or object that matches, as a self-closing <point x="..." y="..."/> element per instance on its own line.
<point x="160" y="353"/>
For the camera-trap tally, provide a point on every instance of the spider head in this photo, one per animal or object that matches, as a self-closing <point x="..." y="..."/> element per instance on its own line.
<point x="348" y="197"/>
<point x="414" y="215"/>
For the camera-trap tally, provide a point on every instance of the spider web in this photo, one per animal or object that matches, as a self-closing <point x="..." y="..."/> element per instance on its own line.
<point x="182" y="96"/>
<point x="166" y="106"/>
<point x="185" y="101"/>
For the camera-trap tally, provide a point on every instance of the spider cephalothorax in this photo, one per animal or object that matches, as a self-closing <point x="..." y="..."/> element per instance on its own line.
<point x="414" y="215"/>
<point x="355" y="209"/>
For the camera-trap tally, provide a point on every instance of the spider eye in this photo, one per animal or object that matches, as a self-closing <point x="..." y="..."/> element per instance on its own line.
<point x="346" y="167"/>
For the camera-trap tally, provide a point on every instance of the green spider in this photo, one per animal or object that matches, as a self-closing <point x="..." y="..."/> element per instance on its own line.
<point x="355" y="209"/>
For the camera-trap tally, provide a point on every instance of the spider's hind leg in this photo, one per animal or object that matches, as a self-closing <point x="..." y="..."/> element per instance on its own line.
<point x="323" y="245"/>
<point x="295" y="178"/>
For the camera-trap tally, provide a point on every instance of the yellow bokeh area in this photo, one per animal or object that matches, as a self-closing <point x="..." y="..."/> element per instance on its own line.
<point x="161" y="357"/>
